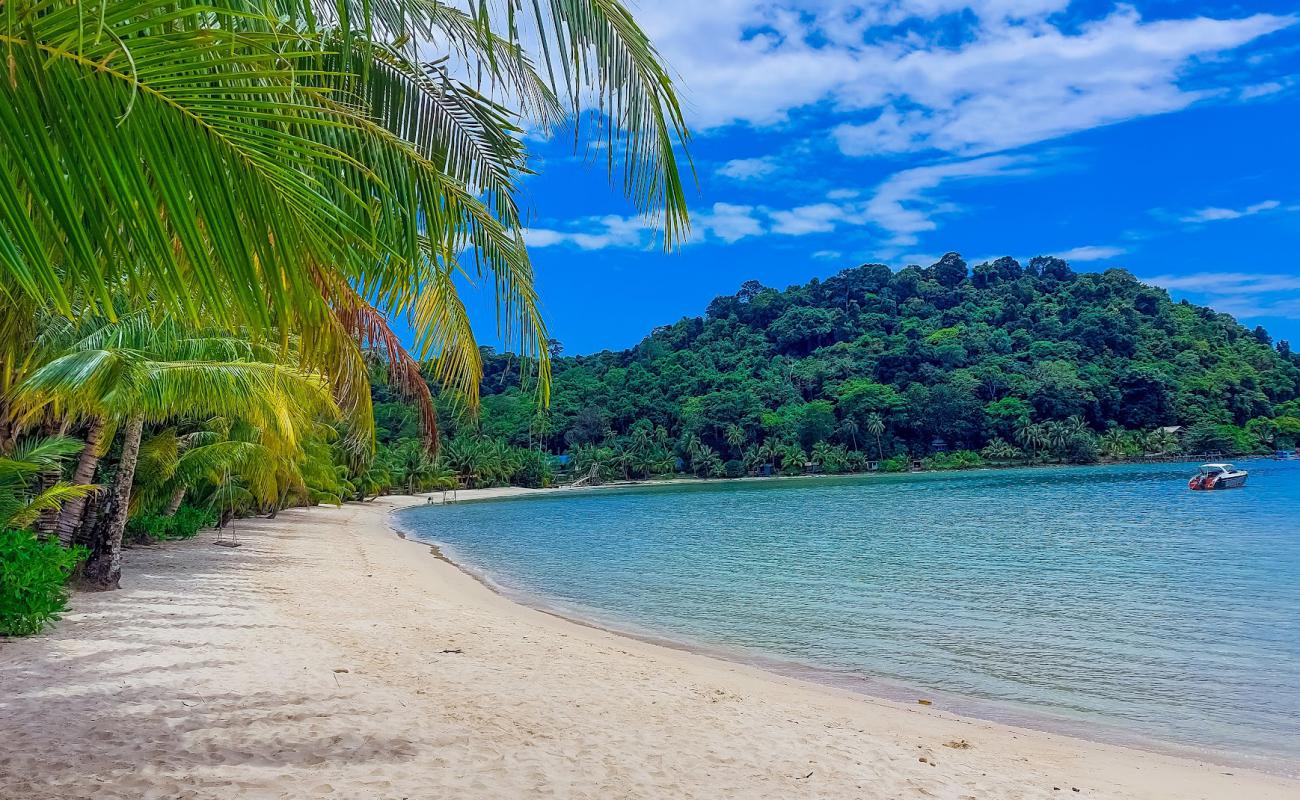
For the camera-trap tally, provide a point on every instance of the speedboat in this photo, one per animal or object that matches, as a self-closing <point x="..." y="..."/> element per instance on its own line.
<point x="1218" y="476"/>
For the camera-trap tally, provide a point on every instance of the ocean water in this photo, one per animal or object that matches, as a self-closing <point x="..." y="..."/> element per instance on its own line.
<point x="1110" y="602"/>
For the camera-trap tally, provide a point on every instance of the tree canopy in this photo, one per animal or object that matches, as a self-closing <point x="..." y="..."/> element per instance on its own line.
<point x="1029" y="361"/>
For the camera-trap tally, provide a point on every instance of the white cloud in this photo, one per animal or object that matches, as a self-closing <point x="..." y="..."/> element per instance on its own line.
<point x="1091" y="252"/>
<point x="1227" y="283"/>
<point x="1017" y="77"/>
<point x="597" y="233"/>
<point x="816" y="218"/>
<point x="1263" y="89"/>
<point x="1218" y="214"/>
<point x="747" y="169"/>
<point x="842" y="194"/>
<point x="723" y="222"/>
<point x="1242" y="294"/>
<point x="903" y="206"/>
<point x="828" y="255"/>
<point x="728" y="222"/>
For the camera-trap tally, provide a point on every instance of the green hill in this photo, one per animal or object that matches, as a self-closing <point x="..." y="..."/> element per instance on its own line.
<point x="1021" y="363"/>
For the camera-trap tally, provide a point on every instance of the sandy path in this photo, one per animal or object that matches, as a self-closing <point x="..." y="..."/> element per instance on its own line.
<point x="218" y="673"/>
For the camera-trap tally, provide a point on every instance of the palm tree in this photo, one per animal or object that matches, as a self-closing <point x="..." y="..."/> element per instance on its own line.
<point x="849" y="429"/>
<point x="307" y="169"/>
<point x="736" y="437"/>
<point x="768" y="452"/>
<point x="1115" y="443"/>
<point x="1032" y="437"/>
<point x="691" y="446"/>
<point x="21" y="501"/>
<point x="1057" y="435"/>
<point x="876" y="427"/>
<point x="832" y="458"/>
<point x="414" y="466"/>
<point x="131" y="387"/>
<point x="703" y="461"/>
<point x="793" y="458"/>
<point x="1001" y="450"/>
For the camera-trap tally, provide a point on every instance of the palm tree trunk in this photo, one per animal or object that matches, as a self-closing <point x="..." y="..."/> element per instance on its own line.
<point x="104" y="569"/>
<point x="174" y="504"/>
<point x="49" y="518"/>
<point x="73" y="510"/>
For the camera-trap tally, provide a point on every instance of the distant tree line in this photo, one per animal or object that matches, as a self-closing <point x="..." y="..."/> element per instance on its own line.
<point x="953" y="366"/>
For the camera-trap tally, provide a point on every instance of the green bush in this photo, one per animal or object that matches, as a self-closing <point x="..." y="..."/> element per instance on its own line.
<point x="734" y="469"/>
<point x="895" y="464"/>
<point x="961" y="459"/>
<point x="184" y="524"/>
<point x="33" y="581"/>
<point x="147" y="528"/>
<point x="189" y="520"/>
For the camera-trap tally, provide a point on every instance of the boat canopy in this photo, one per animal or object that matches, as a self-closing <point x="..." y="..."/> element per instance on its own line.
<point x="1217" y="468"/>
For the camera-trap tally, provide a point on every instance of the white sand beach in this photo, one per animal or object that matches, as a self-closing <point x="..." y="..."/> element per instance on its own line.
<point x="326" y="657"/>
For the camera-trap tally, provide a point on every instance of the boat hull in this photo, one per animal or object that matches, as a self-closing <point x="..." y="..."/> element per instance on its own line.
<point x="1223" y="482"/>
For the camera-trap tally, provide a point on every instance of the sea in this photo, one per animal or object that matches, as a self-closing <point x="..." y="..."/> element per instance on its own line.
<point x="1108" y="602"/>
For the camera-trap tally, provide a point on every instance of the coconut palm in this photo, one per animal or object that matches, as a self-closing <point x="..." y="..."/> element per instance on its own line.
<point x="1032" y="437"/>
<point x="876" y="427"/>
<point x="131" y="387"/>
<point x="1001" y="450"/>
<point x="849" y="430"/>
<point x="736" y="437"/>
<point x="416" y="470"/>
<point x="307" y="168"/>
<point x="1115" y="443"/>
<point x="691" y="446"/>
<point x="767" y="453"/>
<point x="706" y="463"/>
<point x="832" y="458"/>
<point x="22" y="500"/>
<point x="793" y="458"/>
<point x="1057" y="435"/>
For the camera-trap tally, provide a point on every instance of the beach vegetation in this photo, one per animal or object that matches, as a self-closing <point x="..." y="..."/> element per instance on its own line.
<point x="34" y="575"/>
<point x="213" y="213"/>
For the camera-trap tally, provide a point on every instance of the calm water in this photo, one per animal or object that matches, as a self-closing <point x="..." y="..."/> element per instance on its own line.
<point x="1106" y="601"/>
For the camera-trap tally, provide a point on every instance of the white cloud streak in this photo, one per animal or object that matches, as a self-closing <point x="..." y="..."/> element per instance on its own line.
<point x="1219" y="214"/>
<point x="1091" y="252"/>
<point x="1242" y="294"/>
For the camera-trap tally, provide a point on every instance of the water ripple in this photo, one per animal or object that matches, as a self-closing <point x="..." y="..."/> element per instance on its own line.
<point x="1110" y="597"/>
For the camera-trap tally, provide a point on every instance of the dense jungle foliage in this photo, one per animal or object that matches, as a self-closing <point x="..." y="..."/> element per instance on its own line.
<point x="952" y="365"/>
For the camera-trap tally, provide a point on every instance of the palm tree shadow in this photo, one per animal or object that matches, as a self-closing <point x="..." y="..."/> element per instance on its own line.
<point x="112" y="698"/>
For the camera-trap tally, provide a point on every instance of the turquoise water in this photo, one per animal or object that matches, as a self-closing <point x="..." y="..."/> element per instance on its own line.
<point x="1108" y="601"/>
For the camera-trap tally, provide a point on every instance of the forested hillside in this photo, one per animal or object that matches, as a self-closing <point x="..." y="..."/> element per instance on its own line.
<point x="1004" y="362"/>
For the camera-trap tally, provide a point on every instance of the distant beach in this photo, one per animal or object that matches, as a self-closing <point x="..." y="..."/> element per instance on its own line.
<point x="327" y="657"/>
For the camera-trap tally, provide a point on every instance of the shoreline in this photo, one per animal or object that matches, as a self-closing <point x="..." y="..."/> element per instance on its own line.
<point x="683" y="478"/>
<point x="678" y="479"/>
<point x="892" y="691"/>
<point x="327" y="658"/>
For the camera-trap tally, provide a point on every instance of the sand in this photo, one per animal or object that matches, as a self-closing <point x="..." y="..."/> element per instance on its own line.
<point x="326" y="657"/>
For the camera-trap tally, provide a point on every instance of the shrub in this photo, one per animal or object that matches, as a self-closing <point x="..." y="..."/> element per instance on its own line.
<point x="734" y="469"/>
<point x="184" y="524"/>
<point x="895" y="464"/>
<point x="189" y="520"/>
<point x="961" y="459"/>
<point x="147" y="528"/>
<point x="33" y="581"/>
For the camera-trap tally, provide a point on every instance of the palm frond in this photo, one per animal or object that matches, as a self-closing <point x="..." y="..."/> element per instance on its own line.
<point x="52" y="498"/>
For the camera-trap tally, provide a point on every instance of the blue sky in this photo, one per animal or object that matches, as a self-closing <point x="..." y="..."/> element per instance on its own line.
<point x="1156" y="136"/>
